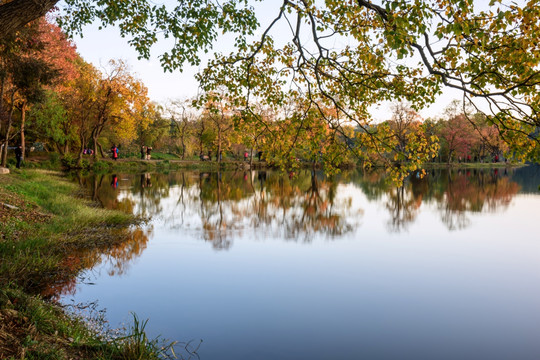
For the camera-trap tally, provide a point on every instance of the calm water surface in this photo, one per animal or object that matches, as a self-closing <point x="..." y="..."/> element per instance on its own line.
<point x="262" y="265"/>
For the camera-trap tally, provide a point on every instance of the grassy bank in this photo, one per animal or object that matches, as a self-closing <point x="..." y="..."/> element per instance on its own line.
<point x="128" y="165"/>
<point x="49" y="232"/>
<point x="160" y="162"/>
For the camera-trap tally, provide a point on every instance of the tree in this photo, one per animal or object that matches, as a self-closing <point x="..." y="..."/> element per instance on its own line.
<point x="33" y="61"/>
<point x="203" y="134"/>
<point x="253" y="129"/>
<point x="218" y="110"/>
<point x="155" y="126"/>
<point x="28" y="77"/>
<point x="120" y="103"/>
<point x="55" y="126"/>
<point x="79" y="103"/>
<point x="488" y="139"/>
<point x="488" y="55"/>
<point x="48" y="63"/>
<point x="404" y="121"/>
<point x="394" y="50"/>
<point x="182" y="116"/>
<point x="11" y="48"/>
<point x="458" y="136"/>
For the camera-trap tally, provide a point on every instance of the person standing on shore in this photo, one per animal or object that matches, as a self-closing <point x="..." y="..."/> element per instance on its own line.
<point x="114" y="151"/>
<point x="148" y="152"/>
<point x="143" y="152"/>
<point x="18" y="156"/>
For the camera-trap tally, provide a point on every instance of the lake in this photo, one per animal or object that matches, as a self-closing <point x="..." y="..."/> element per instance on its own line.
<point x="270" y="265"/>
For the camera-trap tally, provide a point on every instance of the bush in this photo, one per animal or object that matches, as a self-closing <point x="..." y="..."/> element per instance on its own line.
<point x="100" y="166"/>
<point x="85" y="164"/>
<point x="54" y="158"/>
<point x="69" y="161"/>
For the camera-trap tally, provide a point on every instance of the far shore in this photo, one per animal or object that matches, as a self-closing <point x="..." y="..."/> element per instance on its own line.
<point x="169" y="162"/>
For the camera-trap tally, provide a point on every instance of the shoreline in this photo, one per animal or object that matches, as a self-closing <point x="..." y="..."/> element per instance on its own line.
<point x="49" y="233"/>
<point x="169" y="162"/>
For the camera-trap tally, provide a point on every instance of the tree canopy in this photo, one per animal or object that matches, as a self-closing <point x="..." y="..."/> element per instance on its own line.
<point x="346" y="56"/>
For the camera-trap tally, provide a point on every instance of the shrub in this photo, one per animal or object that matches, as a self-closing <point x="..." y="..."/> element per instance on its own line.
<point x="100" y="166"/>
<point x="69" y="161"/>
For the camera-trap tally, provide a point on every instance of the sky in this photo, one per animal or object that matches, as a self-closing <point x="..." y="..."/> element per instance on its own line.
<point x="99" y="46"/>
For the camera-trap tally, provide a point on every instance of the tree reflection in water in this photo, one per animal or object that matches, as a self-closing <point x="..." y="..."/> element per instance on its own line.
<point x="456" y="195"/>
<point x="268" y="204"/>
<point x="403" y="207"/>
<point x="116" y="258"/>
<point x="221" y="206"/>
<point x="474" y="191"/>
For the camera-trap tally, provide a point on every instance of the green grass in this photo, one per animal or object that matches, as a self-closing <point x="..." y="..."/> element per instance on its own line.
<point x="37" y="329"/>
<point x="51" y="235"/>
<point x="164" y="156"/>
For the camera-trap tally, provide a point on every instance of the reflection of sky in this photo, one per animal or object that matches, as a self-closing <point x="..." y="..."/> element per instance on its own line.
<point x="423" y="293"/>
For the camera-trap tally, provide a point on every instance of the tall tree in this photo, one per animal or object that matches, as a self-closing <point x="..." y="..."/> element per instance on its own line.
<point x="182" y="115"/>
<point x="218" y="110"/>
<point x="404" y="121"/>
<point x="120" y="102"/>
<point x="28" y="76"/>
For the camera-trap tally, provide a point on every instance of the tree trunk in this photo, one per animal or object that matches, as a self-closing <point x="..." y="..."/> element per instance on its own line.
<point x="80" y="157"/>
<point x="59" y="148"/>
<point x="218" y="157"/>
<point x="8" y="130"/>
<point x="183" y="140"/>
<point x="200" y="145"/>
<point x="100" y="149"/>
<point x="94" y="143"/>
<point x="17" y="13"/>
<point x="23" y="120"/>
<point x="2" y="89"/>
<point x="83" y="146"/>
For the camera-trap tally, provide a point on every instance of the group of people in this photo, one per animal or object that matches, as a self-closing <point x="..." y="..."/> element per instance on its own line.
<point x="146" y="152"/>
<point x="247" y="155"/>
<point x="208" y="157"/>
<point x="481" y="159"/>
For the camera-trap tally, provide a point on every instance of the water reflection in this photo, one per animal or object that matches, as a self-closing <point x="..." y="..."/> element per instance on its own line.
<point x="267" y="204"/>
<point x="115" y="259"/>
<point x="217" y="206"/>
<point x="403" y="206"/>
<point x="297" y="207"/>
<point x="473" y="193"/>
<point x="316" y="261"/>
<point x="456" y="193"/>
